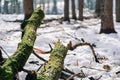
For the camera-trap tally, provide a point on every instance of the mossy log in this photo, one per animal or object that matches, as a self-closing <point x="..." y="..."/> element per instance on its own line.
<point x="17" y="61"/>
<point x="53" y="68"/>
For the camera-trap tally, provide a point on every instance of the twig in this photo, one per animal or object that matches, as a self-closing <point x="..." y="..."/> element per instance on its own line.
<point x="39" y="57"/>
<point x="83" y="44"/>
<point x="99" y="77"/>
<point x="73" y="37"/>
<point x="50" y="49"/>
<point x="92" y="68"/>
<point x="117" y="72"/>
<point x="80" y="75"/>
<point x="40" y="67"/>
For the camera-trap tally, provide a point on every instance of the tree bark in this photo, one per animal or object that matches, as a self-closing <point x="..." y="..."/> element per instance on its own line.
<point x="17" y="61"/>
<point x="28" y="8"/>
<point x="73" y="10"/>
<point x="66" y="10"/>
<point x="80" y="3"/>
<point x="54" y="66"/>
<point x="107" y="24"/>
<point x="117" y="10"/>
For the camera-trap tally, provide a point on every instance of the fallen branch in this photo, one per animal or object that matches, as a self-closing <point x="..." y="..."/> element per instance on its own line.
<point x="83" y="44"/>
<point x="11" y="67"/>
<point x="53" y="68"/>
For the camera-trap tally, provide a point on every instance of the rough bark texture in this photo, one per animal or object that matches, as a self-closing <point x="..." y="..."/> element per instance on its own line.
<point x="107" y="25"/>
<point x="80" y="3"/>
<point x="28" y="8"/>
<point x="54" y="66"/>
<point x="117" y="10"/>
<point x="99" y="7"/>
<point x="16" y="62"/>
<point x="73" y="10"/>
<point x="66" y="10"/>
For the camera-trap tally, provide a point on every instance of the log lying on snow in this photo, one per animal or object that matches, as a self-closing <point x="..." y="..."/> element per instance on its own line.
<point x="53" y="68"/>
<point x="17" y="61"/>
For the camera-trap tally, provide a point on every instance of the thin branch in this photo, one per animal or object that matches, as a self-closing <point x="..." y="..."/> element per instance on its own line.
<point x="83" y="43"/>
<point x="72" y="47"/>
<point x="80" y="75"/>
<point x="50" y="49"/>
<point x="92" y="68"/>
<point x="39" y="57"/>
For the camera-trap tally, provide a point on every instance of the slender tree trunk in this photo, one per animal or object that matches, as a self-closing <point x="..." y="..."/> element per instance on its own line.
<point x="99" y="7"/>
<point x="107" y="25"/>
<point x="17" y="61"/>
<point x="73" y="10"/>
<point x="54" y="9"/>
<point x="66" y="10"/>
<point x="28" y="8"/>
<point x="117" y="10"/>
<point x="5" y="7"/>
<point x="80" y="4"/>
<point x="0" y="6"/>
<point x="48" y="7"/>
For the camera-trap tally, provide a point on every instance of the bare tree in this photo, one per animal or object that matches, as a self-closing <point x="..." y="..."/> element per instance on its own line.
<point x="28" y="8"/>
<point x="107" y="25"/>
<point x="66" y="10"/>
<point x="73" y="10"/>
<point x="80" y="4"/>
<point x="99" y="7"/>
<point x="117" y="10"/>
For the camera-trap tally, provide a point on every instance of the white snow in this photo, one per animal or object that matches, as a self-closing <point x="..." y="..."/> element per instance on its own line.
<point x="107" y="45"/>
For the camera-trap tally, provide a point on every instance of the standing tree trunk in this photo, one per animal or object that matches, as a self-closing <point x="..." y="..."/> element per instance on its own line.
<point x="80" y="4"/>
<point x="73" y="10"/>
<point x="28" y="8"/>
<point x="5" y="7"/>
<point x="66" y="10"/>
<point x="107" y="25"/>
<point x="0" y="6"/>
<point x="48" y="6"/>
<point x="99" y="7"/>
<point x="117" y="10"/>
<point x="54" y="9"/>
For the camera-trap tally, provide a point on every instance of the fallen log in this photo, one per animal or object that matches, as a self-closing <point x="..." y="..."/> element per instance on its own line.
<point x="17" y="61"/>
<point x="53" y="68"/>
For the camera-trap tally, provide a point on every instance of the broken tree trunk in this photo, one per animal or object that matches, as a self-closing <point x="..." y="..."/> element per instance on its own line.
<point x="17" y="61"/>
<point x="53" y="68"/>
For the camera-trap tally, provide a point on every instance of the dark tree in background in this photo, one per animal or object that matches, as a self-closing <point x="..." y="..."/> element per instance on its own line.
<point x="28" y="8"/>
<point x="98" y="8"/>
<point x="66" y="10"/>
<point x="73" y="10"/>
<point x="107" y="25"/>
<point x="5" y="7"/>
<point x="54" y="9"/>
<point x="0" y="6"/>
<point x="117" y="10"/>
<point x="80" y="6"/>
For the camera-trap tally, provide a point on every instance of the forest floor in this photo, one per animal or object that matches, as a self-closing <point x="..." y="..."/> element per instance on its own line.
<point x="107" y="46"/>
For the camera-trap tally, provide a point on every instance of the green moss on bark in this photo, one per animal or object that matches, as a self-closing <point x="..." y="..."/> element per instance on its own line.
<point x="54" y="66"/>
<point x="17" y="61"/>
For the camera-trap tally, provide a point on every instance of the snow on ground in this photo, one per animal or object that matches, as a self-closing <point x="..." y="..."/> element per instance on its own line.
<point x="107" y="45"/>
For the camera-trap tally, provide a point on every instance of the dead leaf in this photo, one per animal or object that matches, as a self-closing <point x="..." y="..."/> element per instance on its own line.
<point x="39" y="51"/>
<point x="107" y="67"/>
